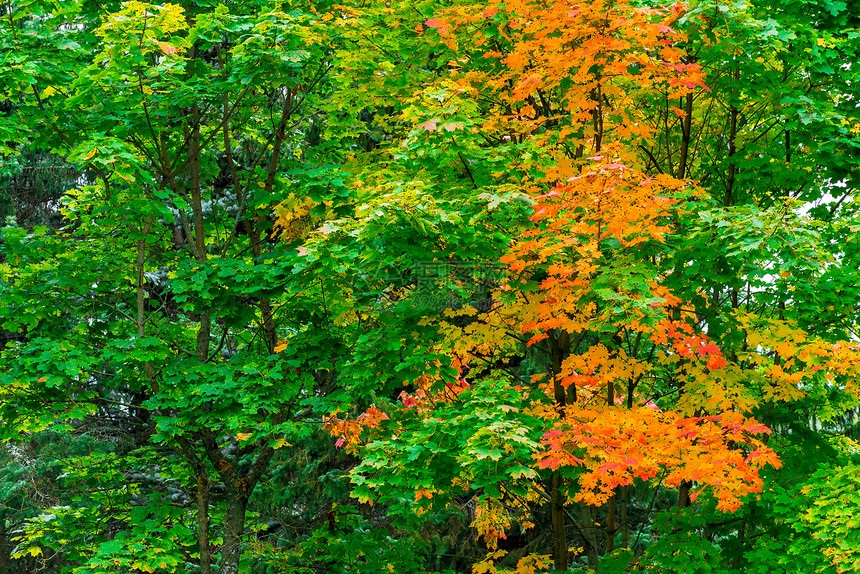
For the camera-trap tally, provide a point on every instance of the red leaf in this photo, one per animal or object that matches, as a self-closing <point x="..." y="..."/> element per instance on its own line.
<point x="716" y="363"/>
<point x="709" y="349"/>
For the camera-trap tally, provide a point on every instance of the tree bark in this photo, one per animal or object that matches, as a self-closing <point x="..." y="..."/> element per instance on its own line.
<point x="686" y="128"/>
<point x="684" y="493"/>
<point x="203" y="485"/>
<point x="231" y="551"/>
<point x="733" y="134"/>
<point x="589" y="533"/>
<point x="560" y="348"/>
<point x="204" y="331"/>
<point x="140" y="396"/>
<point x="610" y="524"/>
<point x="625" y="526"/>
<point x="559" y="533"/>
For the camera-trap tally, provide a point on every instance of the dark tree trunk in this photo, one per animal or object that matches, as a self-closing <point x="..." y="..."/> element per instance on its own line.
<point x="234" y="526"/>
<point x="559" y="534"/>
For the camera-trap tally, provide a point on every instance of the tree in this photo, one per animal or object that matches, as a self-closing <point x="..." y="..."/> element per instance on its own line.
<point x="617" y="358"/>
<point x="162" y="308"/>
<point x="586" y="270"/>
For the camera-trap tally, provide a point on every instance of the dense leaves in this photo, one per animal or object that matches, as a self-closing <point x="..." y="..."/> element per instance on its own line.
<point x="429" y="287"/>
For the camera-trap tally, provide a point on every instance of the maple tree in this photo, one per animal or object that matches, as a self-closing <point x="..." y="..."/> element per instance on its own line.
<point x="153" y="306"/>
<point x="597" y="279"/>
<point x="579" y="269"/>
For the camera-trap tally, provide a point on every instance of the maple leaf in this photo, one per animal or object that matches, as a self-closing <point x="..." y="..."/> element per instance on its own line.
<point x="168" y="49"/>
<point x="440" y="24"/>
<point x="708" y="349"/>
<point x="430" y="125"/>
<point x="716" y="362"/>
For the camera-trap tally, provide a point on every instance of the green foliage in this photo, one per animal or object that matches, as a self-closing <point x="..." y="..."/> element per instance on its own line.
<point x="139" y="497"/>
<point x="348" y="542"/>
<point x="232" y="226"/>
<point x="814" y="529"/>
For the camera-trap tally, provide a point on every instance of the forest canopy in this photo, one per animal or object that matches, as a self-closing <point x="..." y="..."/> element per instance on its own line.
<point x="423" y="286"/>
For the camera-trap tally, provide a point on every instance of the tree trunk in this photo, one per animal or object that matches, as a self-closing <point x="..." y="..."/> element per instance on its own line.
<point x="560" y="348"/>
<point x="684" y="493"/>
<point x="589" y="533"/>
<point x="686" y="129"/>
<point x="610" y="524"/>
<point x="625" y="526"/>
<point x="559" y="534"/>
<point x="733" y="134"/>
<point x="234" y="526"/>
<point x="203" y="524"/>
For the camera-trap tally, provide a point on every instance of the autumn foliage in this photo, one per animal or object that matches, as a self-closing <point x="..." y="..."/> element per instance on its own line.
<point x="422" y="286"/>
<point x="592" y="282"/>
